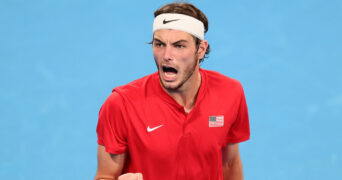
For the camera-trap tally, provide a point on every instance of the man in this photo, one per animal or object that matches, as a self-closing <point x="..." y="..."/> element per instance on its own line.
<point x="182" y="122"/>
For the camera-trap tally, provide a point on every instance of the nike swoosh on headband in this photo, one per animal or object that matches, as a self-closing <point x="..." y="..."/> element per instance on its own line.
<point x="165" y="21"/>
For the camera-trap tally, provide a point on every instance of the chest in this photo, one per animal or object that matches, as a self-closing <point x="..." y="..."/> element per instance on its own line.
<point x="163" y="131"/>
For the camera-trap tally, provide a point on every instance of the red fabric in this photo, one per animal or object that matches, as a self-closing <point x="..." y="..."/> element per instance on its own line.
<point x="184" y="147"/>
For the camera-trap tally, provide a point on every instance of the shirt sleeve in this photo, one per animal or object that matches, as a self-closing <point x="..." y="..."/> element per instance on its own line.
<point x="111" y="128"/>
<point x="239" y="131"/>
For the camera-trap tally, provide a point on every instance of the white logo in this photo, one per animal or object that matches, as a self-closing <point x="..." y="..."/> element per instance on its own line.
<point x="152" y="129"/>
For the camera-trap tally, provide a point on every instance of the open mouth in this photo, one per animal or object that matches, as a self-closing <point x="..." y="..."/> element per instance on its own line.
<point x="169" y="73"/>
<point x="168" y="69"/>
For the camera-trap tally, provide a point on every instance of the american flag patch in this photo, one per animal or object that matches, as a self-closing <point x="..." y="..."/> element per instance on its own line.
<point x="216" y="121"/>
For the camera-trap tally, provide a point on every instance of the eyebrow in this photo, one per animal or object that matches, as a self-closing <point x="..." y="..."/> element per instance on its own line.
<point x="180" y="41"/>
<point x="156" y="39"/>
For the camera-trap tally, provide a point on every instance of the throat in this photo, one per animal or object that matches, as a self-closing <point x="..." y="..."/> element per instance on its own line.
<point x="187" y="110"/>
<point x="187" y="97"/>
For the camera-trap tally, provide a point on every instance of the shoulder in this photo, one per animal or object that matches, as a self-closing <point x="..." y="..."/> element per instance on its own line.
<point x="218" y="81"/>
<point x="113" y="101"/>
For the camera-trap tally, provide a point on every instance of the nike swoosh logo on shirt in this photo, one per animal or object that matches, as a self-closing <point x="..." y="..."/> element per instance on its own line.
<point x="152" y="129"/>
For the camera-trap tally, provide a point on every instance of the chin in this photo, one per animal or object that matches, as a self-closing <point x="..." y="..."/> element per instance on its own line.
<point x="171" y="86"/>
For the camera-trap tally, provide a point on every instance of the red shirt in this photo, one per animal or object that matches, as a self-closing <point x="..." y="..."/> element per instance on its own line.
<point x="163" y="142"/>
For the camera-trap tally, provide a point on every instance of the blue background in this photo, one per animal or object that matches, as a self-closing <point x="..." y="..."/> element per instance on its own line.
<point x="60" y="59"/>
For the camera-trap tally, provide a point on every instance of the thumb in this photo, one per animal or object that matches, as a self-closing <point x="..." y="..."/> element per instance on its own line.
<point x="139" y="176"/>
<point x="131" y="176"/>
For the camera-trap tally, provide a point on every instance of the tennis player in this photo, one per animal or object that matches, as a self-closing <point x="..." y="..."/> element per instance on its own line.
<point x="179" y="123"/>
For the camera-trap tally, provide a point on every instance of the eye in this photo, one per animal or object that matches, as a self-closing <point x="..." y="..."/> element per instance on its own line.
<point x="179" y="46"/>
<point x="158" y="44"/>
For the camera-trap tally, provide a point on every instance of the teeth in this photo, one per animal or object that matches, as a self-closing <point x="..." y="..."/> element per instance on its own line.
<point x="170" y="74"/>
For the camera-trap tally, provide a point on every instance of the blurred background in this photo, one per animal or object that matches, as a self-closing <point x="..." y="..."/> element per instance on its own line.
<point x="60" y="59"/>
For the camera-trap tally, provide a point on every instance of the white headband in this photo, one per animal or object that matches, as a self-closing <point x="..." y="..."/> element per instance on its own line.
<point x="179" y="22"/>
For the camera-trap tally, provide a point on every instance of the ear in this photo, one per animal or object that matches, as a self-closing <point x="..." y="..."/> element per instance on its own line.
<point x="202" y="48"/>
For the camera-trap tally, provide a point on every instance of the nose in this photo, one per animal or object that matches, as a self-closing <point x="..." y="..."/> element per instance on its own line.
<point x="167" y="53"/>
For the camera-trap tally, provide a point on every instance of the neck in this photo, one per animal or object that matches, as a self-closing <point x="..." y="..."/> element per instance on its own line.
<point x="186" y="95"/>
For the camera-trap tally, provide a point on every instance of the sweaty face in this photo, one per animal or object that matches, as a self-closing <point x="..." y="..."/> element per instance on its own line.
<point x="175" y="56"/>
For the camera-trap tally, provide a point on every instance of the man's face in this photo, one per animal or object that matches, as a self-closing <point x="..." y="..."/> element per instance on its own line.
<point x="176" y="57"/>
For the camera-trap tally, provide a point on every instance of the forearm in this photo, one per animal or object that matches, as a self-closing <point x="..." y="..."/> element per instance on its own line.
<point x="100" y="175"/>
<point x="232" y="170"/>
<point x="104" y="177"/>
<point x="109" y="166"/>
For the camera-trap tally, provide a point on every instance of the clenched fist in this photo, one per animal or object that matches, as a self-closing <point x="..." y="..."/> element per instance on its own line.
<point x="131" y="176"/>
